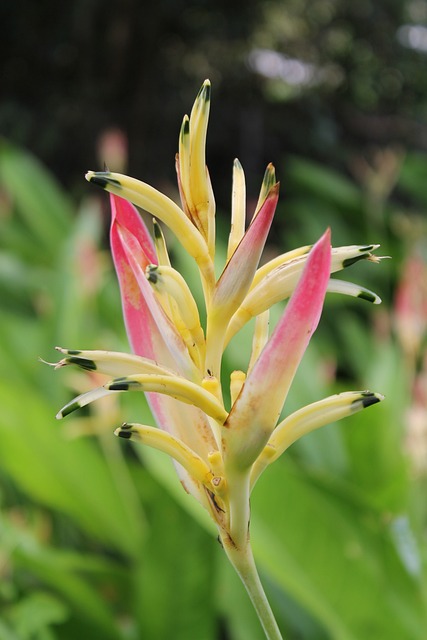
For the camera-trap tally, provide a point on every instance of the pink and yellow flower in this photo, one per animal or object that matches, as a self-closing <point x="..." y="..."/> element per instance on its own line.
<point x="219" y="450"/>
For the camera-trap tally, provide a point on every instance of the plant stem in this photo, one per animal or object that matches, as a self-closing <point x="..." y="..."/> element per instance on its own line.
<point x="244" y="564"/>
<point x="239" y="551"/>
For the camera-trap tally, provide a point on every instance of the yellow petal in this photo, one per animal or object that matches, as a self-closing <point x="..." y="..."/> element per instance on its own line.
<point x="238" y="209"/>
<point x="164" y="441"/>
<point x="173" y="386"/>
<point x="309" y="418"/>
<point x="163" y="208"/>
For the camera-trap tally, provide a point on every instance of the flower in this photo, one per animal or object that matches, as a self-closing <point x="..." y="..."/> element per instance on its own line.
<point x="220" y="451"/>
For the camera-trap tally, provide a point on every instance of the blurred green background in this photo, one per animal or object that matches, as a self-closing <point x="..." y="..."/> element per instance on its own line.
<point x="97" y="538"/>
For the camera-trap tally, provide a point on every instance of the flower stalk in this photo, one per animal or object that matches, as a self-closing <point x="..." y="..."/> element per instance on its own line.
<point x="219" y="451"/>
<point x="244" y="564"/>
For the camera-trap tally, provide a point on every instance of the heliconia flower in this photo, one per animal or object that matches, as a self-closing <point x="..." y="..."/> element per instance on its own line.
<point x="219" y="450"/>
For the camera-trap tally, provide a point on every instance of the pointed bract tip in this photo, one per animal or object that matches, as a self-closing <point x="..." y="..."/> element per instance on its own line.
<point x="185" y="127"/>
<point x="65" y="411"/>
<point x="367" y="399"/>
<point x="326" y="237"/>
<point x="371" y="398"/>
<point x="69" y="408"/>
<point x="99" y="181"/>
<point x="205" y="92"/>
<point x="269" y="174"/>
<point x="102" y="179"/>
<point x="156" y="229"/>
<point x="369" y="297"/>
<point x="123" y="434"/>
<point x="152" y="273"/>
<point x="125" y="431"/>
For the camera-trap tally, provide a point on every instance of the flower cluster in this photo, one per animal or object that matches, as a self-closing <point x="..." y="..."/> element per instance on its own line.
<point x="220" y="451"/>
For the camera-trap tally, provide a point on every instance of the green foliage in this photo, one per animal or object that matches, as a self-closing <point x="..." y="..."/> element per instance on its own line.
<point x="98" y="542"/>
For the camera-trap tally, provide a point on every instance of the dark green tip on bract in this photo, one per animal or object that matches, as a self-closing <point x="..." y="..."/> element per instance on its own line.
<point x="156" y="228"/>
<point x="69" y="408"/>
<point x="367" y="295"/>
<point x="123" y="384"/>
<point x="369" y="399"/>
<point x="124" y="431"/>
<point x="204" y="92"/>
<point x="73" y="352"/>
<point x="103" y="179"/>
<point x="350" y="261"/>
<point x="207" y="91"/>
<point x="151" y="273"/>
<point x="269" y="179"/>
<point x="124" y="434"/>
<point x="119" y="386"/>
<point x="366" y="399"/>
<point x="84" y="363"/>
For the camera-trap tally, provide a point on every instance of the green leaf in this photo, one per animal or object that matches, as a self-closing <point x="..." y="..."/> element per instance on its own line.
<point x="47" y="212"/>
<point x="52" y="568"/>
<point x="6" y="633"/>
<point x="335" y="557"/>
<point x="173" y="593"/>
<point x="377" y="435"/>
<point x="32" y="615"/>
<point x="71" y="476"/>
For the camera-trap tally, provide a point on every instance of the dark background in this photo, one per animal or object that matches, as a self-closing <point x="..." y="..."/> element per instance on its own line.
<point x="72" y="70"/>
